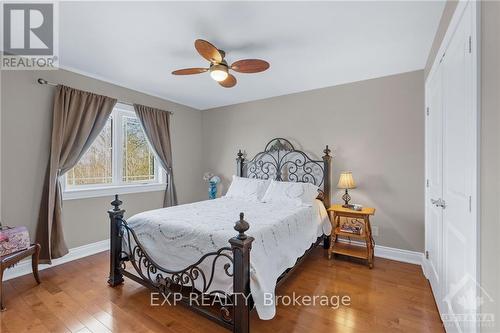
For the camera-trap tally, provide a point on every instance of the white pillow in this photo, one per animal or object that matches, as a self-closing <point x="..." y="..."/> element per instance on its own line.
<point x="298" y="194"/>
<point x="247" y="188"/>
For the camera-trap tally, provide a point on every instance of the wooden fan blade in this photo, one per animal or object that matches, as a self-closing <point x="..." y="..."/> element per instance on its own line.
<point x="250" y="66"/>
<point x="208" y="51"/>
<point x="229" y="82"/>
<point x="189" y="71"/>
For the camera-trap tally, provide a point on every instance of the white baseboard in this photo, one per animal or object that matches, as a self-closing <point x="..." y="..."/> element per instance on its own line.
<point x="410" y="257"/>
<point x="24" y="267"/>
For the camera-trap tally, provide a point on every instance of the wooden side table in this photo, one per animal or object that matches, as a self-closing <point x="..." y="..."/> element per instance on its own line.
<point x="348" y="249"/>
<point x="13" y="258"/>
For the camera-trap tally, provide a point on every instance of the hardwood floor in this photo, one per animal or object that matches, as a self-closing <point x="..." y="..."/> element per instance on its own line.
<point x="74" y="297"/>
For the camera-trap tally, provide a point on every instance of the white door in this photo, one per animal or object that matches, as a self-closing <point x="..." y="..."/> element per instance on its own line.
<point x="451" y="172"/>
<point x="434" y="186"/>
<point x="459" y="160"/>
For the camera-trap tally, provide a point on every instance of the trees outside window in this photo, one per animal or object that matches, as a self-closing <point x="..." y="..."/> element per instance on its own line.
<point x="119" y="156"/>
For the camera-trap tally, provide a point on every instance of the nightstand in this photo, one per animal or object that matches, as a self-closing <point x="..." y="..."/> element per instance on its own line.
<point x="336" y="212"/>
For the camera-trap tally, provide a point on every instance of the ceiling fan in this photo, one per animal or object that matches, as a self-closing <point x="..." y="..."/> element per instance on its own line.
<point x="219" y="69"/>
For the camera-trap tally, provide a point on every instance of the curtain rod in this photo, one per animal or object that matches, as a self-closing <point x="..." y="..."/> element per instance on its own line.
<point x="43" y="81"/>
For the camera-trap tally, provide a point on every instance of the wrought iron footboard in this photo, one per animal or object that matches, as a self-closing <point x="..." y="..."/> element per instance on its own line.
<point x="194" y="282"/>
<point x="279" y="161"/>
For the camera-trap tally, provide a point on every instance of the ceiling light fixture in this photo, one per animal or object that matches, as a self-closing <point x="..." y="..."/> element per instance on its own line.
<point x="218" y="72"/>
<point x="218" y="68"/>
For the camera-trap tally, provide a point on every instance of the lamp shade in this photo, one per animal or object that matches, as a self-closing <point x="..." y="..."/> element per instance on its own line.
<point x="346" y="181"/>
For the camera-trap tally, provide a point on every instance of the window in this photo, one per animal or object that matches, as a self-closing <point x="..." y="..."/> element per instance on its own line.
<point x="120" y="160"/>
<point x="138" y="159"/>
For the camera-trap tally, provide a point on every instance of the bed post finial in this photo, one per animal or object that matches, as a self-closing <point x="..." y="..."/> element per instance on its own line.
<point x="115" y="252"/>
<point x="116" y="203"/>
<point x="241" y="246"/>
<point x="241" y="226"/>
<point x="239" y="163"/>
<point x="327" y="151"/>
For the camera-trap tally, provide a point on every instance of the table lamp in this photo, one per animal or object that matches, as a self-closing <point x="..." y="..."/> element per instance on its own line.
<point x="346" y="182"/>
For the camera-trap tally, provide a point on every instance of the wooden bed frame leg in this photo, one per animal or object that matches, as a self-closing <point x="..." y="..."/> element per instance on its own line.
<point x="115" y="216"/>
<point x="241" y="246"/>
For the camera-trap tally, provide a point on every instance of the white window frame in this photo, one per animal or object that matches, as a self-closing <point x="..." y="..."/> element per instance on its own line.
<point x="117" y="186"/>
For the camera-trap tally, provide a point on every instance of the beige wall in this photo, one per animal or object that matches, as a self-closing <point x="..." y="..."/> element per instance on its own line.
<point x="490" y="158"/>
<point x="25" y="138"/>
<point x="448" y="11"/>
<point x="352" y="118"/>
<point x="376" y="128"/>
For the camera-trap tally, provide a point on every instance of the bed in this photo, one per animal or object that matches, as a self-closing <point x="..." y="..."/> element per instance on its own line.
<point x="191" y="250"/>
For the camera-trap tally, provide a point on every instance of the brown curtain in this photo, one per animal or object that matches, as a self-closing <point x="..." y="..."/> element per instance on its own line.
<point x="156" y="124"/>
<point x="78" y="118"/>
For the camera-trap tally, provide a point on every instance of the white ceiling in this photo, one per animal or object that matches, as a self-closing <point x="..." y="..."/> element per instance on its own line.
<point x="308" y="44"/>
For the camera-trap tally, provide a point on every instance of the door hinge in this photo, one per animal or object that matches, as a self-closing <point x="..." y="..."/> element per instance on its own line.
<point x="427" y="111"/>
<point x="426" y="254"/>
<point x="470" y="44"/>
<point x="427" y="183"/>
<point x="470" y="203"/>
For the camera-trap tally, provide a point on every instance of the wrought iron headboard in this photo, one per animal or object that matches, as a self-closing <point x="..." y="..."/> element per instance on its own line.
<point x="282" y="162"/>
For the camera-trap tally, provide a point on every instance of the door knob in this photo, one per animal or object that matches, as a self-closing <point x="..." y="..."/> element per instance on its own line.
<point x="442" y="203"/>
<point x="438" y="203"/>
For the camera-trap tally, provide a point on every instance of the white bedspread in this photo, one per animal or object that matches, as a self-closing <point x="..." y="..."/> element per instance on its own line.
<point x="176" y="237"/>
